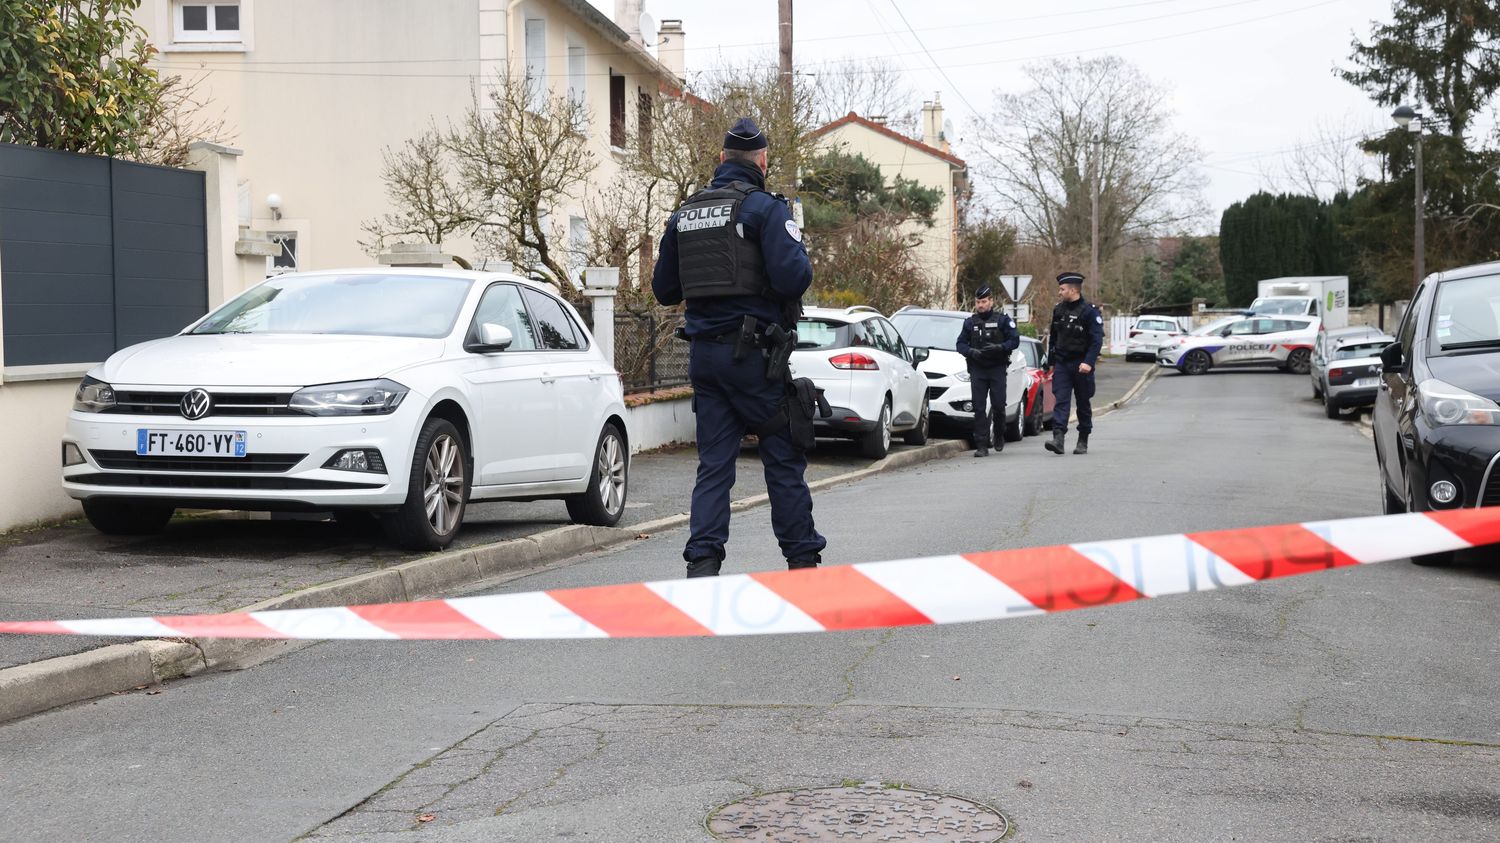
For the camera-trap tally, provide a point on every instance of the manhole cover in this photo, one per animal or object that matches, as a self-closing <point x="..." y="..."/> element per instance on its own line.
<point x="870" y="812"/>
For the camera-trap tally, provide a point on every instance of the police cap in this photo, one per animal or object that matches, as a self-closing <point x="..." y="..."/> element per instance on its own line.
<point x="984" y="292"/>
<point x="1073" y="278"/>
<point x="744" y="134"/>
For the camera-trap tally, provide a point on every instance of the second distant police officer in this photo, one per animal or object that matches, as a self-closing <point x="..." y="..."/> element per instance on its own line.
<point x="734" y="254"/>
<point x="986" y="342"/>
<point x="1076" y="338"/>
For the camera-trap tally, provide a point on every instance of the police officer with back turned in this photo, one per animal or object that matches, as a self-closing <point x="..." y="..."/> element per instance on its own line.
<point x="1074" y="343"/>
<point x="734" y="254"/>
<point x="986" y="341"/>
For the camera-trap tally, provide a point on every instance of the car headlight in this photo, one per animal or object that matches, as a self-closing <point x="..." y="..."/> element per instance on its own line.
<point x="93" y="396"/>
<point x="962" y="377"/>
<point x="1444" y="403"/>
<point x="358" y="398"/>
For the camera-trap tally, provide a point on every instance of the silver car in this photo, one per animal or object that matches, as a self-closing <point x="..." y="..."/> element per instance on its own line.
<point x="1322" y="352"/>
<point x="1352" y="374"/>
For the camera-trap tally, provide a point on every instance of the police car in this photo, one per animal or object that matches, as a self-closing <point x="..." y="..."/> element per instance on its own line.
<point x="867" y="372"/>
<point x="1282" y="341"/>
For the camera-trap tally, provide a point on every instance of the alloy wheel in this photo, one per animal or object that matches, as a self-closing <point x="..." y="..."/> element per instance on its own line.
<point x="443" y="485"/>
<point x="610" y="463"/>
<point x="885" y="425"/>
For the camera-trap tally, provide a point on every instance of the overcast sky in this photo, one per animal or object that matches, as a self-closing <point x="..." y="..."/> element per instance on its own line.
<point x="1249" y="78"/>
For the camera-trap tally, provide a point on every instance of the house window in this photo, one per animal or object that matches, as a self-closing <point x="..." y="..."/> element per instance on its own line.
<point x="578" y="244"/>
<point x="616" y="110"/>
<point x="576" y="90"/>
<point x="536" y="59"/>
<point x="643" y="117"/>
<point x="287" y="260"/>
<point x="207" y="22"/>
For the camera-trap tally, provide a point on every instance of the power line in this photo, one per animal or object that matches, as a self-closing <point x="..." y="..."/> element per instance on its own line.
<point x="935" y="65"/>
<point x="241" y="67"/>
<point x="843" y="37"/>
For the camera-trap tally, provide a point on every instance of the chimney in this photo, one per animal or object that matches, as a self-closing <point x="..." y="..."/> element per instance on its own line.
<point x="670" y="49"/>
<point x="932" y="123"/>
<point x="628" y="18"/>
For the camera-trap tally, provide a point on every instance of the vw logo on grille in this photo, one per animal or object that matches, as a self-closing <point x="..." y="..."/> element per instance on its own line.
<point x="196" y="404"/>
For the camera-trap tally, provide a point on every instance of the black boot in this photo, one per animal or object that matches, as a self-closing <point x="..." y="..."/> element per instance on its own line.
<point x="1056" y="445"/>
<point x="707" y="566"/>
<point x="803" y="562"/>
<point x="1083" y="444"/>
<point x="982" y="451"/>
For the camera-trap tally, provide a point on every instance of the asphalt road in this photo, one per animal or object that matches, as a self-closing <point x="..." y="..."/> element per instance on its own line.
<point x="1357" y="704"/>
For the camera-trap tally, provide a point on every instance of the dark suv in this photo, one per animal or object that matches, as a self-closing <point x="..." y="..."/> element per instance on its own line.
<point x="1437" y="420"/>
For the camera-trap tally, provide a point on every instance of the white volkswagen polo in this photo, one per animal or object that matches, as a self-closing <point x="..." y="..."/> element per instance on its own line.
<point x="399" y="393"/>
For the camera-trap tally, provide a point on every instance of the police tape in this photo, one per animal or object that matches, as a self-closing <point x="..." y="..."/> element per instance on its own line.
<point x="910" y="592"/>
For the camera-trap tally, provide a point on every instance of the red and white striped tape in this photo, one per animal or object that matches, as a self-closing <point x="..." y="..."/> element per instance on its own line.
<point x="908" y="592"/>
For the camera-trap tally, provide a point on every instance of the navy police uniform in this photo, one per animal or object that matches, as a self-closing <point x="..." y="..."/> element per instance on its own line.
<point x="1076" y="338"/>
<point x="731" y="251"/>
<point x="986" y="342"/>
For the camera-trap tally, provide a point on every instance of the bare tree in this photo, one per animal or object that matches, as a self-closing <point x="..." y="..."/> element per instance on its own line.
<point x="499" y="172"/>
<point x="173" y="120"/>
<point x="1085" y="119"/>
<point x="1328" y="163"/>
<point x="871" y="87"/>
<point x="430" y="203"/>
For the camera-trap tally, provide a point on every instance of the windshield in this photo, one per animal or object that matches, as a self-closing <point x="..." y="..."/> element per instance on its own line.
<point x="1467" y="312"/>
<point x="1216" y="326"/>
<point x="1360" y="349"/>
<point x="925" y="330"/>
<point x="368" y="305"/>
<point x="1279" y="307"/>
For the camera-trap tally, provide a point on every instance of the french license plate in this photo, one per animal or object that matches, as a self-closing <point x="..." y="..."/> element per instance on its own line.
<point x="189" y="443"/>
<point x="1364" y="383"/>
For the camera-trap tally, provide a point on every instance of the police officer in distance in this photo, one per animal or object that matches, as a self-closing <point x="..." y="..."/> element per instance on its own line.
<point x="1076" y="338"/>
<point x="734" y="254"/>
<point x="986" y="342"/>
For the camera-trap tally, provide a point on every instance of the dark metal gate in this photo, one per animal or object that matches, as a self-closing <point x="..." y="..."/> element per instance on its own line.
<point x="96" y="254"/>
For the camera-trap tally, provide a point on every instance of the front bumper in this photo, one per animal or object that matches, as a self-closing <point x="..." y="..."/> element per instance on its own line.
<point x="283" y="468"/>
<point x="950" y="400"/>
<point x="1465" y="455"/>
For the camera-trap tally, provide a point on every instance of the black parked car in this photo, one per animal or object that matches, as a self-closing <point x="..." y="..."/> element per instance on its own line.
<point x="1437" y="420"/>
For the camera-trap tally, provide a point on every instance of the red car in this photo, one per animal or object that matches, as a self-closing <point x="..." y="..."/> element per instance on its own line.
<point x="1036" y="410"/>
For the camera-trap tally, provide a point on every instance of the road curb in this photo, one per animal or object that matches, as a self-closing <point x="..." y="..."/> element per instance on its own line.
<point x="1140" y="384"/>
<point x="39" y="686"/>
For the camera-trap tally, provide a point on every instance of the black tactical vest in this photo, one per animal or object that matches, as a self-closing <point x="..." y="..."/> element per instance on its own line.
<point x="714" y="259"/>
<point x="1070" y="330"/>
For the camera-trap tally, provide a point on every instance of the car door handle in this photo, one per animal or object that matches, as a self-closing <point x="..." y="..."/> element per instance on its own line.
<point x="547" y="377"/>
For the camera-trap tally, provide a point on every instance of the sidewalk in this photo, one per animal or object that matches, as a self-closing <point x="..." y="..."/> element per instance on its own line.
<point x="217" y="562"/>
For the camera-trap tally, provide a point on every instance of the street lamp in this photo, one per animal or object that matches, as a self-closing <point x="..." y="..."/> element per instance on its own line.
<point x="1410" y="119"/>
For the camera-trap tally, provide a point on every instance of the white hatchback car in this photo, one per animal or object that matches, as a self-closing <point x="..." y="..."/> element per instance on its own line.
<point x="867" y="373"/>
<point x="947" y="372"/>
<point x="399" y="393"/>
<point x="1150" y="334"/>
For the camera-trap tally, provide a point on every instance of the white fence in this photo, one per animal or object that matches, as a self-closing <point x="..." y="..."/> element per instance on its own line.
<point x="1119" y="332"/>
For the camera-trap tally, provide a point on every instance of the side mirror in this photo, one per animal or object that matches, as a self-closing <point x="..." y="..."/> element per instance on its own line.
<point x="492" y="338"/>
<point x="1391" y="358"/>
<point x="920" y="354"/>
<point x="1225" y="332"/>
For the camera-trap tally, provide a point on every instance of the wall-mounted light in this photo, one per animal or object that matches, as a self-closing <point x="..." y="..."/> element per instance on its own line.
<point x="273" y="201"/>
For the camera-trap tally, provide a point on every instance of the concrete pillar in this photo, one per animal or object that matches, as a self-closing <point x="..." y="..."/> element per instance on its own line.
<point x="600" y="284"/>
<point x="221" y="198"/>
